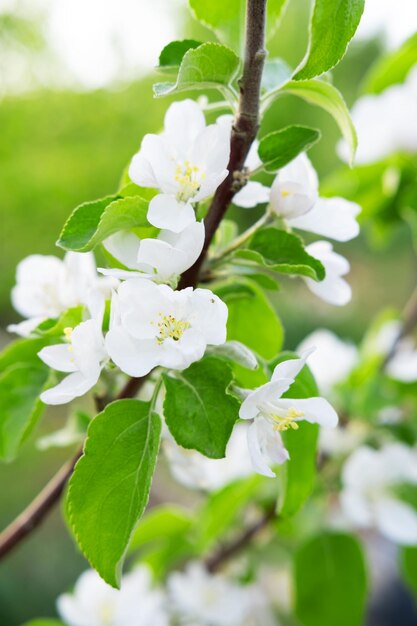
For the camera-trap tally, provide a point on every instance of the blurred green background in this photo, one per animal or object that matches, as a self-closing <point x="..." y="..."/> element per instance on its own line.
<point x="59" y="147"/>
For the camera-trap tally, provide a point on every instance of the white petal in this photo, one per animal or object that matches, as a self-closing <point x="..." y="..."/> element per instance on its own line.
<point x="332" y="289"/>
<point x="59" y="357"/>
<point x="209" y="316"/>
<point x="252" y="160"/>
<point x="161" y="259"/>
<point x="180" y="354"/>
<point x="331" y="217"/>
<point x="183" y="122"/>
<point x="211" y="149"/>
<point x="140" y="304"/>
<point x="403" y="366"/>
<point x="397" y="521"/>
<point x="166" y="212"/>
<point x="258" y="461"/>
<point x="300" y="170"/>
<point x="251" y="194"/>
<point x="88" y="348"/>
<point x="154" y="166"/>
<point x="25" y="328"/>
<point x="124" y="274"/>
<point x="291" y="199"/>
<point x="315" y="410"/>
<point x="270" y="391"/>
<point x="265" y="447"/>
<point x="291" y="367"/>
<point x="135" y="357"/>
<point x="123" y="246"/>
<point x="356" y="508"/>
<point x="70" y="387"/>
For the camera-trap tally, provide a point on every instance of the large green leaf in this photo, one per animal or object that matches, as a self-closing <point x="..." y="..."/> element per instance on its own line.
<point x="109" y="488"/>
<point x="172" y="55"/>
<point x="198" y="410"/>
<point x="210" y="66"/>
<point x="392" y="68"/>
<point x="22" y="351"/>
<point x="330" y="581"/>
<point x="408" y="563"/>
<point x="92" y="222"/>
<point x="20" y="407"/>
<point x="333" y="24"/>
<point x="227" y="18"/>
<point x="326" y="96"/>
<point x="281" y="252"/>
<point x="282" y="146"/>
<point x="298" y="475"/>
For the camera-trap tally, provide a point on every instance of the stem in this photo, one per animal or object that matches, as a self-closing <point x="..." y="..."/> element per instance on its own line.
<point x="244" y="129"/>
<point x="244" y="132"/>
<point x="409" y="322"/>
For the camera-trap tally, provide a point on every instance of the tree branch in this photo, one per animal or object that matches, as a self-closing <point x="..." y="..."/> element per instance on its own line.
<point x="244" y="132"/>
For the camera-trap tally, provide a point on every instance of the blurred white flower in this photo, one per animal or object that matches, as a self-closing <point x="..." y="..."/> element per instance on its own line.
<point x="162" y="259"/>
<point x="395" y="21"/>
<point x="369" y="499"/>
<point x="402" y="365"/>
<point x="333" y="359"/>
<point x="205" y="599"/>
<point x="83" y="356"/>
<point x="333" y="289"/>
<point x="187" y="162"/>
<point x="294" y="196"/>
<point x="342" y="440"/>
<point x="94" y="603"/>
<point x="196" y="471"/>
<point x="272" y="414"/>
<point x="394" y="111"/>
<point x="154" y="325"/>
<point x="47" y="286"/>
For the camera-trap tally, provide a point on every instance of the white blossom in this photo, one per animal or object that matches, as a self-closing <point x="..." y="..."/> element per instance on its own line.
<point x="402" y="365"/>
<point x="82" y="357"/>
<point x="154" y="325"/>
<point x="294" y="197"/>
<point x="94" y="603"/>
<point x="333" y="289"/>
<point x="47" y="286"/>
<point x="369" y="498"/>
<point x="162" y="259"/>
<point x="272" y="414"/>
<point x="199" y="597"/>
<point x="186" y="163"/>
<point x="196" y="471"/>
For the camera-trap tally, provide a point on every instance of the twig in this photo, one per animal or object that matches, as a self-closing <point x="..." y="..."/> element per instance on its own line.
<point x="244" y="132"/>
<point x="215" y="561"/>
<point x="409" y="322"/>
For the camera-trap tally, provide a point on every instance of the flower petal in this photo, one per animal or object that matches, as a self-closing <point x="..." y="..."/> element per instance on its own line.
<point x="70" y="387"/>
<point x="265" y="393"/>
<point x="315" y="410"/>
<point x="396" y="520"/>
<point x="135" y="357"/>
<point x="123" y="246"/>
<point x="59" y="357"/>
<point x="183" y="122"/>
<point x="330" y="217"/>
<point x="252" y="194"/>
<point x="166" y="212"/>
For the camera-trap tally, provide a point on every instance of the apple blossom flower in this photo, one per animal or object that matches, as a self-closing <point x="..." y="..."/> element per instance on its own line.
<point x="328" y="371"/>
<point x="162" y="259"/>
<point x="294" y="197"/>
<point x="333" y="289"/>
<point x="154" y="325"/>
<point x="47" y="286"/>
<point x="199" y="597"/>
<point x="95" y="603"/>
<point x="272" y="414"/>
<point x="370" y="498"/>
<point x="186" y="163"/>
<point x="402" y="364"/>
<point x="196" y="471"/>
<point x="82" y="356"/>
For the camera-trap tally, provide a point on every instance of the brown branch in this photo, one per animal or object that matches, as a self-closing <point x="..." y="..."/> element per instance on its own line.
<point x="244" y="132"/>
<point x="214" y="562"/>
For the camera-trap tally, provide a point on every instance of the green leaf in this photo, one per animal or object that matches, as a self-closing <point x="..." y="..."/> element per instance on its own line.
<point x="44" y="622"/>
<point x="210" y="66"/>
<point x="90" y="223"/>
<point x="109" y="488"/>
<point x="276" y="73"/>
<point x="227" y="18"/>
<point x="162" y="523"/>
<point x="392" y="68"/>
<point x="298" y="475"/>
<point x="330" y="581"/>
<point x="172" y="55"/>
<point x="333" y="24"/>
<point x="198" y="410"/>
<point x="330" y="99"/>
<point x="55" y="327"/>
<point x="20" y="407"/>
<point x="408" y="565"/>
<point x="22" y="351"/>
<point x="281" y="252"/>
<point x="246" y="302"/>
<point x="282" y="146"/>
<point x="236" y="352"/>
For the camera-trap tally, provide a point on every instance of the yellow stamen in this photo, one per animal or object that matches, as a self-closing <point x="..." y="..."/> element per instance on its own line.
<point x="286" y="419"/>
<point x="171" y="328"/>
<point x="68" y="337"/>
<point x="189" y="177"/>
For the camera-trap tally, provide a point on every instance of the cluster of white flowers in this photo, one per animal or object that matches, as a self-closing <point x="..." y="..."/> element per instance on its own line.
<point x="385" y="122"/>
<point x="191" y="597"/>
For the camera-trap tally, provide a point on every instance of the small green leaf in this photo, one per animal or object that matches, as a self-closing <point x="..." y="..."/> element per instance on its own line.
<point x="55" y="327"/>
<point x="330" y="99"/>
<point x="210" y="66"/>
<point x="392" y="68"/>
<point x="227" y="18"/>
<point x="92" y="222"/>
<point x="20" y="407"/>
<point x="172" y="55"/>
<point x="198" y="410"/>
<point x="162" y="523"/>
<point x="282" y="146"/>
<point x="109" y="488"/>
<point x="281" y="252"/>
<point x="333" y="24"/>
<point x="330" y="581"/>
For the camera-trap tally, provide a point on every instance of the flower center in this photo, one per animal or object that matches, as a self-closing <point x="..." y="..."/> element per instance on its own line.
<point x="189" y="178"/>
<point x="106" y="613"/>
<point x="171" y="328"/>
<point x="282" y="419"/>
<point x="68" y="337"/>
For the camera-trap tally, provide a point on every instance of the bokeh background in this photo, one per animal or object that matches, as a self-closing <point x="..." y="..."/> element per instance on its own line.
<point x="75" y="101"/>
